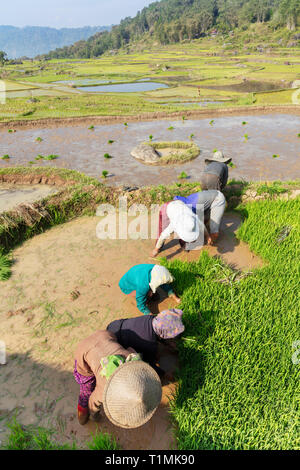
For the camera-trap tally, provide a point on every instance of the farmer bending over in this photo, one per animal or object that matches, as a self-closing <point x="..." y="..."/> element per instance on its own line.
<point x="178" y="218"/>
<point x="128" y="389"/>
<point x="215" y="175"/>
<point x="143" y="280"/>
<point x="145" y="333"/>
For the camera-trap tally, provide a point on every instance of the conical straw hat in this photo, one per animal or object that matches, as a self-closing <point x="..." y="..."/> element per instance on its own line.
<point x="132" y="394"/>
<point x="218" y="157"/>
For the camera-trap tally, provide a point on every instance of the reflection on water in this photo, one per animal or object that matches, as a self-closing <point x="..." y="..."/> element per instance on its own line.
<point x="124" y="87"/>
<point x="82" y="149"/>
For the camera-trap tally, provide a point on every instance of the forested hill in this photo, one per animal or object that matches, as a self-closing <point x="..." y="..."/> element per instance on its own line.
<point x="171" y="21"/>
<point x="33" y="40"/>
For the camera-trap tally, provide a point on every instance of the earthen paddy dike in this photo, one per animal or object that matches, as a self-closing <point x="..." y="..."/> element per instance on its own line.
<point x="82" y="149"/>
<point x="42" y="321"/>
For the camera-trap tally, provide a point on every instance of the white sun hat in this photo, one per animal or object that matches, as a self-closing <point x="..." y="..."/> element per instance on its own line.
<point x="185" y="222"/>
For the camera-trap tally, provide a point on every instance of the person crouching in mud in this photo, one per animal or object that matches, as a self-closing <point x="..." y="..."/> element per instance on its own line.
<point x="180" y="216"/>
<point x="142" y="282"/>
<point x="215" y="174"/>
<point x="115" y="379"/>
<point x="145" y="334"/>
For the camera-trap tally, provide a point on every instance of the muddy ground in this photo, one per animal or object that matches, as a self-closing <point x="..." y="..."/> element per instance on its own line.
<point x="64" y="287"/>
<point x="12" y="195"/>
<point x="82" y="149"/>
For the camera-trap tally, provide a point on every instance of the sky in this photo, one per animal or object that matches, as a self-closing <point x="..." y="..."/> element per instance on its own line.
<point x="68" y="13"/>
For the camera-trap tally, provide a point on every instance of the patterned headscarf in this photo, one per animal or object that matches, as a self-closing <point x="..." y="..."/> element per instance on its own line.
<point x="168" y="324"/>
<point x="159" y="276"/>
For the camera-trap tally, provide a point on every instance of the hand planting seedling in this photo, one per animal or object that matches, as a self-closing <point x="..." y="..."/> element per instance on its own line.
<point x="104" y="174"/>
<point x="111" y="141"/>
<point x="5" y="157"/>
<point x="171" y="128"/>
<point x="106" y="155"/>
<point x="182" y="175"/>
<point x="215" y="150"/>
<point x="150" y="137"/>
<point x="212" y="122"/>
<point x="232" y="165"/>
<point x="38" y="139"/>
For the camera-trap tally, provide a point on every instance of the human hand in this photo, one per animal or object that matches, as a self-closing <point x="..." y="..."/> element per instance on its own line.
<point x="154" y="253"/>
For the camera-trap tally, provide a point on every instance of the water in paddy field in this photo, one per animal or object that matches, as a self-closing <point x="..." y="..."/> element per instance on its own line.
<point x="124" y="87"/>
<point x="82" y="149"/>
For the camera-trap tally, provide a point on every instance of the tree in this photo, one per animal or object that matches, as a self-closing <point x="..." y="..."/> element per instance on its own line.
<point x="289" y="10"/>
<point x="3" y="57"/>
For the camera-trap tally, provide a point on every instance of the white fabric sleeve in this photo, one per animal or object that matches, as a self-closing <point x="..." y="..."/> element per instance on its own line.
<point x="164" y="235"/>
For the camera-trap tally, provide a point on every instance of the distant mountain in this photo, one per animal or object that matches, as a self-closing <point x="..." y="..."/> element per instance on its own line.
<point x="172" y="21"/>
<point x="34" y="40"/>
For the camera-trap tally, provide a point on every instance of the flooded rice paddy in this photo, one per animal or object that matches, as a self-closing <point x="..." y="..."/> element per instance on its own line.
<point x="82" y="149"/>
<point x="123" y="87"/>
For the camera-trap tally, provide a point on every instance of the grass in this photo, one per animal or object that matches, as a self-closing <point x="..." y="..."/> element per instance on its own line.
<point x="103" y="441"/>
<point x="273" y="189"/>
<point x="30" y="438"/>
<point x="182" y="175"/>
<point x="38" y="438"/>
<point x="238" y="387"/>
<point x="48" y="157"/>
<point x="5" y="266"/>
<point x="107" y="156"/>
<point x="104" y="174"/>
<point x="183" y="151"/>
<point x="190" y="65"/>
<point x="5" y="157"/>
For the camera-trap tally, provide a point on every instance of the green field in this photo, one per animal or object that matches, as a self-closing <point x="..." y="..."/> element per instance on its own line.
<point x="232" y="74"/>
<point x="238" y="384"/>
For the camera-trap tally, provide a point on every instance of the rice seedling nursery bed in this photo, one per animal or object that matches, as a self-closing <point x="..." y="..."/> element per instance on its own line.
<point x="238" y="383"/>
<point x="177" y="152"/>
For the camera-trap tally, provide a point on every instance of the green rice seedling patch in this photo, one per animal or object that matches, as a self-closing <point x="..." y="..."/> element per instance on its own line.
<point x="238" y="387"/>
<point x="177" y="152"/>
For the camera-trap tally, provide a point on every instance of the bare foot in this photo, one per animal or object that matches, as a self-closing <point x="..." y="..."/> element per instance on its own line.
<point x="214" y="237"/>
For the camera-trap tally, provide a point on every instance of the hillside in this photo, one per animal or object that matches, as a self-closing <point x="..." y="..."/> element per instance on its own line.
<point x="172" y="21"/>
<point x="33" y="40"/>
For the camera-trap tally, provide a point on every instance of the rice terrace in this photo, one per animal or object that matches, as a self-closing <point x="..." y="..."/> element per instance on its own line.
<point x="187" y="113"/>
